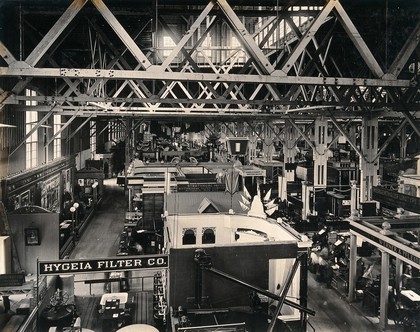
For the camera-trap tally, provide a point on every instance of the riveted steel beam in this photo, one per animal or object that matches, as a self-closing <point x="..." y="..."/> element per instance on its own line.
<point x="25" y="71"/>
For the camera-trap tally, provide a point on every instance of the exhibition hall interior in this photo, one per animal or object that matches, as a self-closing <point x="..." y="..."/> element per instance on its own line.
<point x="209" y="165"/>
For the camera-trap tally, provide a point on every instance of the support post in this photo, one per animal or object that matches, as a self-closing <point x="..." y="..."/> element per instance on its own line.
<point x="398" y="274"/>
<point x="290" y="137"/>
<point x="352" y="268"/>
<point x="305" y="200"/>
<point x="353" y="197"/>
<point x="368" y="166"/>
<point x="383" y="312"/>
<point x="320" y="155"/>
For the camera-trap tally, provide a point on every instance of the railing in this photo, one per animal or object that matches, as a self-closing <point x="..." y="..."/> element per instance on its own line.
<point x="121" y="280"/>
<point x="235" y="327"/>
<point x="339" y="284"/>
<point x="45" y="292"/>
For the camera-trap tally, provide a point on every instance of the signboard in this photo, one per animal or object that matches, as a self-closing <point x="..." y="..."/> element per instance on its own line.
<point x="12" y="279"/>
<point x="396" y="199"/>
<point x="17" y="183"/>
<point x="387" y="244"/>
<point x="237" y="145"/>
<point x="201" y="187"/>
<point x="253" y="172"/>
<point x="72" y="266"/>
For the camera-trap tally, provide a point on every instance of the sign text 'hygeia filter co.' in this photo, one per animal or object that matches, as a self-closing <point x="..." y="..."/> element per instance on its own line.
<point x="71" y="266"/>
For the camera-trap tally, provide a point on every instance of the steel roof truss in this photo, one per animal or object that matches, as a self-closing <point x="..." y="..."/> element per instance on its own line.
<point x="357" y="39"/>
<point x="304" y="41"/>
<point x="188" y="34"/>
<point x="405" y="53"/>
<point x="346" y="135"/>
<point x="248" y="41"/>
<point x="122" y="34"/>
<point x="78" y="128"/>
<point x="187" y="54"/>
<point x="55" y="32"/>
<point x="6" y="54"/>
<point x="395" y="132"/>
<point x="302" y="134"/>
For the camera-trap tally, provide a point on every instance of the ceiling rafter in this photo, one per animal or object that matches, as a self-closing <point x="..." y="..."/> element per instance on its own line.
<point x="122" y="33"/>
<point x="228" y="86"/>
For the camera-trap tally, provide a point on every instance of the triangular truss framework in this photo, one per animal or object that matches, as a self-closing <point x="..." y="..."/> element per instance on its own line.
<point x="299" y="72"/>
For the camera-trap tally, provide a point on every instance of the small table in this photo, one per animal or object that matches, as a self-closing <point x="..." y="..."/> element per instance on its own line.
<point x="138" y="327"/>
<point x="123" y="297"/>
<point x="411" y="295"/>
<point x="112" y="319"/>
<point x="58" y="316"/>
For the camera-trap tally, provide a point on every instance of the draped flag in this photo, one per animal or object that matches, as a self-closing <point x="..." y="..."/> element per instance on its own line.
<point x="243" y="206"/>
<point x="267" y="196"/>
<point x="245" y="201"/>
<point x="270" y="204"/>
<point x="231" y="180"/>
<point x="246" y="194"/>
<point x="271" y="210"/>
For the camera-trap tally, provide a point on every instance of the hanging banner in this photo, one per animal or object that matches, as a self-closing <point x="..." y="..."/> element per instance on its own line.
<point x="395" y="199"/>
<point x="71" y="266"/>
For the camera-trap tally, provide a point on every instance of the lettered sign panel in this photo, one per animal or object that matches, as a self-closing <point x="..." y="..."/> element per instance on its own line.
<point x="72" y="266"/>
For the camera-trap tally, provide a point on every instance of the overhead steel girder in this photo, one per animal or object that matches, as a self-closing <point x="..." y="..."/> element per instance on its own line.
<point x="190" y="60"/>
<point x="55" y="32"/>
<point x="22" y="69"/>
<point x="253" y="113"/>
<point x="322" y="16"/>
<point x="263" y="65"/>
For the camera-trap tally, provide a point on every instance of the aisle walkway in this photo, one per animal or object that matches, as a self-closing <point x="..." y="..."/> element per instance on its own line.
<point x="332" y="312"/>
<point x="101" y="238"/>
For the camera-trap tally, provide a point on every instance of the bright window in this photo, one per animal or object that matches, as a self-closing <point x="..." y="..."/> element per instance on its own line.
<point x="168" y="45"/>
<point x="32" y="140"/>
<point x="207" y="46"/>
<point x="57" y="139"/>
<point x="93" y="138"/>
<point x="235" y="43"/>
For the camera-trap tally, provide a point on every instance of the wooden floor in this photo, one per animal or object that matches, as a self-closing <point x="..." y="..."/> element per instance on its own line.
<point x="333" y="313"/>
<point x="91" y="318"/>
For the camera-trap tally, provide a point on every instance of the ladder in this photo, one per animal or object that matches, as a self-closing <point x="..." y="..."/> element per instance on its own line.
<point x="5" y="230"/>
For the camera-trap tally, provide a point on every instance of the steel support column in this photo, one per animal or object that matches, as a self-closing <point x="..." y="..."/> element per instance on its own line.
<point x="368" y="166"/>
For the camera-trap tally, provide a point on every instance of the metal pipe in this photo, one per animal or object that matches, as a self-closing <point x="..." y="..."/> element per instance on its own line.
<point x="260" y="290"/>
<point x="283" y="294"/>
